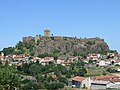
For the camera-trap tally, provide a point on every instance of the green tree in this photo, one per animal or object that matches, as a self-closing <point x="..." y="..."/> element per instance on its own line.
<point x="63" y="80"/>
<point x="9" y="50"/>
<point x="40" y="78"/>
<point x="30" y="85"/>
<point x="43" y="55"/>
<point x="54" y="85"/>
<point x="25" y="68"/>
<point x="9" y="80"/>
<point x="34" y="69"/>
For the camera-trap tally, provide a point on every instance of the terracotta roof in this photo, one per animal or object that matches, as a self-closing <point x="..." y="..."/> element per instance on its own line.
<point x="19" y="64"/>
<point x="61" y="58"/>
<point x="94" y="55"/>
<point x="2" y="56"/>
<point x="105" y="78"/>
<point x="77" y="78"/>
<point x="46" y="59"/>
<point x="118" y="55"/>
<point x="115" y="80"/>
<point x="101" y="61"/>
<point x="118" y="61"/>
<point x="18" y="56"/>
<point x="72" y="57"/>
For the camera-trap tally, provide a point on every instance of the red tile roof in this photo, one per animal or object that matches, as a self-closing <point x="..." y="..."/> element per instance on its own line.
<point x="61" y="58"/>
<point x="118" y="61"/>
<point x="115" y="80"/>
<point x="2" y="56"/>
<point x="72" y="57"/>
<point x="106" y="78"/>
<point x="19" y="65"/>
<point x="65" y="62"/>
<point x="77" y="78"/>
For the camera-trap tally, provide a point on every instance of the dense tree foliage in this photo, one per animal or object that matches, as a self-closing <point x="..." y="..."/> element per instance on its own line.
<point x="54" y="85"/>
<point x="9" y="80"/>
<point x="52" y="76"/>
<point x="9" y="50"/>
<point x="30" y="47"/>
<point x="20" y="48"/>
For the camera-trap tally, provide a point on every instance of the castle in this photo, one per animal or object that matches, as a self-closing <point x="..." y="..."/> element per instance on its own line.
<point x="39" y="37"/>
<point x="47" y="35"/>
<point x="47" y="32"/>
<point x="29" y="38"/>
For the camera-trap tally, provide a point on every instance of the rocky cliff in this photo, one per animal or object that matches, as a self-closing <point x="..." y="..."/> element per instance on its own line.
<point x="68" y="45"/>
<point x="58" y="46"/>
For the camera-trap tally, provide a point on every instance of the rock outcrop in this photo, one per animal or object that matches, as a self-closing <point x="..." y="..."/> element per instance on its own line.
<point x="68" y="45"/>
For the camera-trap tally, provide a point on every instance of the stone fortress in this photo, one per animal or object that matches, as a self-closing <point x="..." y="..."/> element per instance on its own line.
<point x="66" y="45"/>
<point x="47" y="34"/>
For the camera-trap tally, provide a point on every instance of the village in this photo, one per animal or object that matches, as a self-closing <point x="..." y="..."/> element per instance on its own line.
<point x="94" y="63"/>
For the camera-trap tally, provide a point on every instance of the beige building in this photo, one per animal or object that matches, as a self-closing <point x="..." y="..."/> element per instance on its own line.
<point x="47" y="32"/>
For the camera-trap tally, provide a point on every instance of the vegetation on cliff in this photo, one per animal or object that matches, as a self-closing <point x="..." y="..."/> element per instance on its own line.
<point x="58" y="46"/>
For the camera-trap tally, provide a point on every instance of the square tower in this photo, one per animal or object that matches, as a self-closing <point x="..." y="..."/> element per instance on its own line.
<point x="47" y="32"/>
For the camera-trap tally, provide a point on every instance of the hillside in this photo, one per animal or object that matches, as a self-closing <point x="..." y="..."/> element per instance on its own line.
<point x="69" y="45"/>
<point x="49" y="45"/>
<point x="58" y="46"/>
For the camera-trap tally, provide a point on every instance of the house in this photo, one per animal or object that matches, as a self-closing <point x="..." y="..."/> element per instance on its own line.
<point x="47" y="60"/>
<point x="98" y="85"/>
<point x="115" y="84"/>
<point x="106" y="77"/>
<point x="2" y="56"/>
<point x="50" y="58"/>
<point x="115" y="87"/>
<point x="117" y="62"/>
<point x="103" y="82"/>
<point x="79" y="82"/>
<point x="72" y="58"/>
<point x="65" y="63"/>
<point x="19" y="65"/>
<point x="3" y="61"/>
<point x="110" y="55"/>
<point x="118" y="69"/>
<point x="118" y="56"/>
<point x="60" y="60"/>
<point x="19" y="57"/>
<point x="76" y="81"/>
<point x="36" y="59"/>
<point x="102" y="63"/>
<point x="93" y="56"/>
<point x="96" y="82"/>
<point x="108" y="62"/>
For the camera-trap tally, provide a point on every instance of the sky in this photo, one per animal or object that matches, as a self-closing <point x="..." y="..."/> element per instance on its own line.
<point x="80" y="18"/>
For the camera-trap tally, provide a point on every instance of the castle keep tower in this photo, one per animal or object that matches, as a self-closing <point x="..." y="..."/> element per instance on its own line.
<point x="47" y="32"/>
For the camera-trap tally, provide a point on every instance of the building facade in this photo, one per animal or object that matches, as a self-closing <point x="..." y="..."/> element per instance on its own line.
<point x="47" y="32"/>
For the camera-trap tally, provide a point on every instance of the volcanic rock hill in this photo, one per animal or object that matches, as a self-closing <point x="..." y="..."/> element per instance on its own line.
<point x="65" y="45"/>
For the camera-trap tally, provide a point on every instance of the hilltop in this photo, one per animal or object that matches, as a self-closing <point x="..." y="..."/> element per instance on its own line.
<point x="57" y="46"/>
<point x="69" y="45"/>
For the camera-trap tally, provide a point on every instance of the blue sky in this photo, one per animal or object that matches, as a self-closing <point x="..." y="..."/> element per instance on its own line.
<point x="81" y="18"/>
